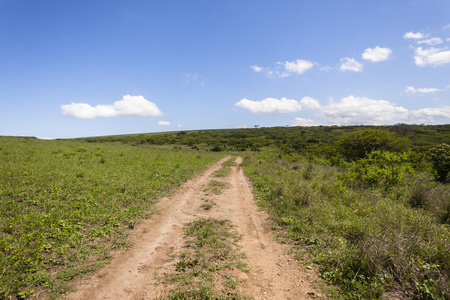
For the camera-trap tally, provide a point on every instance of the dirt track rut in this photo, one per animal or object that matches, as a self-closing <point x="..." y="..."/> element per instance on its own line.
<point x="274" y="273"/>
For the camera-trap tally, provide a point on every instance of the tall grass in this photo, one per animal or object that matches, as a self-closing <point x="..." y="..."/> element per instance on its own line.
<point x="370" y="242"/>
<point x="64" y="205"/>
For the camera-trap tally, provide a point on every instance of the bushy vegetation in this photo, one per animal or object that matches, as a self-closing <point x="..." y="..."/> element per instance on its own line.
<point x="377" y="225"/>
<point x="359" y="144"/>
<point x="440" y="156"/>
<point x="288" y="139"/>
<point x="64" y="205"/>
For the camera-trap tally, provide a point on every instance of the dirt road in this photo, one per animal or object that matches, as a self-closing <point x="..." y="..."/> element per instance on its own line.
<point x="274" y="273"/>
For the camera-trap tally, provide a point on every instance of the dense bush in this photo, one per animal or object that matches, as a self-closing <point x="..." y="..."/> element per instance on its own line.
<point x="358" y="144"/>
<point x="375" y="243"/>
<point x="440" y="156"/>
<point x="382" y="168"/>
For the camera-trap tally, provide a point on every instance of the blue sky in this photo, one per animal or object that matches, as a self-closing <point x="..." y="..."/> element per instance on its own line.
<point x="88" y="68"/>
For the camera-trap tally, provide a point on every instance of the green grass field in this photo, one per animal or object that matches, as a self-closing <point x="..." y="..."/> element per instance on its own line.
<point x="65" y="204"/>
<point x="370" y="205"/>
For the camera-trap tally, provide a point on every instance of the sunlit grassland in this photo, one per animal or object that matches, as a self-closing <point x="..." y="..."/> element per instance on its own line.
<point x="371" y="242"/>
<point x="65" y="204"/>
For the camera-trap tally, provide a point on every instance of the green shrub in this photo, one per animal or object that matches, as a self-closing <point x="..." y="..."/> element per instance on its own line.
<point x="440" y="157"/>
<point x="380" y="168"/>
<point x="358" y="144"/>
<point x="373" y="244"/>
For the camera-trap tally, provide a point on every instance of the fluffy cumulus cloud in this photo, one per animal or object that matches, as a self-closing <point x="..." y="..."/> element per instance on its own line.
<point x="278" y="106"/>
<point x="414" y="36"/>
<point x="270" y="105"/>
<point x="298" y="66"/>
<point x="163" y="123"/>
<point x="304" y="122"/>
<point x="256" y="68"/>
<point x="128" y="106"/>
<point x="350" y="110"/>
<point x="376" y="54"/>
<point x="433" y="114"/>
<point x="350" y="64"/>
<point x="413" y="90"/>
<point x="310" y="103"/>
<point x="432" y="56"/>
<point x="362" y="110"/>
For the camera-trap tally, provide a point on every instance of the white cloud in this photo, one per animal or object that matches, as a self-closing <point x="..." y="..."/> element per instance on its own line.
<point x="432" y="41"/>
<point x="350" y="64"/>
<point x="432" y="56"/>
<point x="179" y="126"/>
<point x="304" y="122"/>
<point x="426" y="115"/>
<point x="270" y="105"/>
<point x="284" y="69"/>
<point x="44" y="138"/>
<point x="446" y="27"/>
<point x="275" y="73"/>
<point x="362" y="110"/>
<point x="271" y="73"/>
<point x="310" y="103"/>
<point x="299" y="66"/>
<point x="376" y="54"/>
<point x="163" y="123"/>
<point x="414" y="36"/>
<point x="413" y="90"/>
<point x="256" y="68"/>
<point x="128" y="106"/>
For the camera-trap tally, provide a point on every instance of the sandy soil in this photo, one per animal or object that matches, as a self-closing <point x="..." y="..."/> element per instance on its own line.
<point x="274" y="272"/>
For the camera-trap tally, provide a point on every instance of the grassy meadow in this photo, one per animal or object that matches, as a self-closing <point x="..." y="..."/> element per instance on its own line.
<point x="64" y="205"/>
<point x="369" y="205"/>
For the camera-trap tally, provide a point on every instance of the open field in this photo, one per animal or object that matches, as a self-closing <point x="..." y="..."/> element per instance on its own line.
<point x="65" y="205"/>
<point x="369" y="206"/>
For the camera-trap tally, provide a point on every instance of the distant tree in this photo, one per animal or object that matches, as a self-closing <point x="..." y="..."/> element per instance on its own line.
<point x="216" y="148"/>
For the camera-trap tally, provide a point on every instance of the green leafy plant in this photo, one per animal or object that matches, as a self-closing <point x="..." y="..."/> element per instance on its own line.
<point x="440" y="157"/>
<point x="380" y="168"/>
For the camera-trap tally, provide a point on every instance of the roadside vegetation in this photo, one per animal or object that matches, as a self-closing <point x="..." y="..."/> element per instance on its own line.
<point x="370" y="205"/>
<point x="64" y="205"/>
<point x="375" y="221"/>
